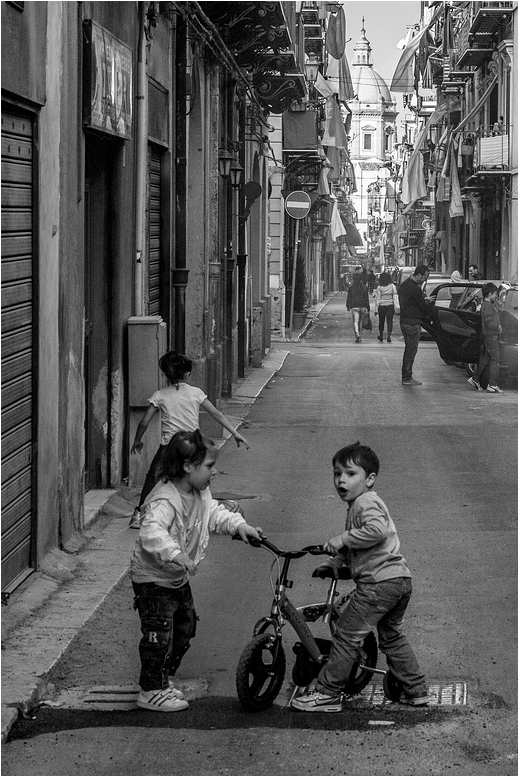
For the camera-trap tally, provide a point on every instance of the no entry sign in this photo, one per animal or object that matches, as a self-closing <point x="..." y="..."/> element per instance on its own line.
<point x="297" y="204"/>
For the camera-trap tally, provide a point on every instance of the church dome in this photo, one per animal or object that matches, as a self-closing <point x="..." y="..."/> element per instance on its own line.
<point x="368" y="85"/>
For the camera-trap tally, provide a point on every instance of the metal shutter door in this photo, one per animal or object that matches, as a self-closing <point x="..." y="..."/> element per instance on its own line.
<point x="17" y="346"/>
<point x="154" y="234"/>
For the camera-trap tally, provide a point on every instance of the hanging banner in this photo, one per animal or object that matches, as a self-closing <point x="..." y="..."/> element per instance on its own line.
<point x="108" y="75"/>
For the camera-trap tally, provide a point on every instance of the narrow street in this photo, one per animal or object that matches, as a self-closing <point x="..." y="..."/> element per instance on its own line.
<point x="448" y="475"/>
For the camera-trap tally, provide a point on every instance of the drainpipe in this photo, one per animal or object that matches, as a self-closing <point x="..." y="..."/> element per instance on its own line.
<point x="142" y="163"/>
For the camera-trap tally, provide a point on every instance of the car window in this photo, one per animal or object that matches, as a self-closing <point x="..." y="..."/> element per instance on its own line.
<point x="511" y="300"/>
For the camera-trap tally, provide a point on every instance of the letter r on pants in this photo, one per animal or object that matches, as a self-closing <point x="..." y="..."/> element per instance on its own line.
<point x="152" y="636"/>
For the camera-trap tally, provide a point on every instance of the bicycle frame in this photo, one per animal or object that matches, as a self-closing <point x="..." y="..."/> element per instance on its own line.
<point x="282" y="610"/>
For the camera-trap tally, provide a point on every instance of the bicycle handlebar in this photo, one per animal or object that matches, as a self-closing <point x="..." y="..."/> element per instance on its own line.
<point x="313" y="550"/>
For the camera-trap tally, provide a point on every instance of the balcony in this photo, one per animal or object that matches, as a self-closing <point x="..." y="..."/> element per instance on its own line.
<point x="483" y="27"/>
<point x="491" y="153"/>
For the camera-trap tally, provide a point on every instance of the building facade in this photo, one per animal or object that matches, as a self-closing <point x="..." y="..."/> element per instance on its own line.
<point x="127" y="231"/>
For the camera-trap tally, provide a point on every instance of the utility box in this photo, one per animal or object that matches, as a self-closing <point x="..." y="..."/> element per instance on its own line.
<point x="147" y="342"/>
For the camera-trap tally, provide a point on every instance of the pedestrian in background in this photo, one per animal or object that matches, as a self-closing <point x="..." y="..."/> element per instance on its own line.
<point x="178" y="516"/>
<point x="357" y="300"/>
<point x="414" y="308"/>
<point x="386" y="304"/>
<point x="490" y="329"/>
<point x="372" y="282"/>
<point x="179" y="406"/>
<point x="474" y="274"/>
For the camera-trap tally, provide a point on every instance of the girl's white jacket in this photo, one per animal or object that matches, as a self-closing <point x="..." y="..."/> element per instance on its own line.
<point x="162" y="535"/>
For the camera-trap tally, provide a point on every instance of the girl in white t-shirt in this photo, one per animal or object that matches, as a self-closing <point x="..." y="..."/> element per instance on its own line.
<point x="179" y="406"/>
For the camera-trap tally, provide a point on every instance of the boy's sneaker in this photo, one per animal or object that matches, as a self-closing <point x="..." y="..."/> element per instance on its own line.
<point x="419" y="699"/>
<point x="315" y="701"/>
<point x="174" y="691"/>
<point x="494" y="390"/>
<point x="473" y="382"/>
<point x="161" y="701"/>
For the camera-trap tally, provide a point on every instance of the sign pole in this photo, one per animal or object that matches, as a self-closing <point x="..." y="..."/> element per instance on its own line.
<point x="294" y="267"/>
<point x="297" y="206"/>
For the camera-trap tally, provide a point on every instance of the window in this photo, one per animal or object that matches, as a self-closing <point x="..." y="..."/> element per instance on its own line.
<point x="367" y="141"/>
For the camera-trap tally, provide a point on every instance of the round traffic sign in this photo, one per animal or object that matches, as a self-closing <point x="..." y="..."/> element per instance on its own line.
<point x="297" y="204"/>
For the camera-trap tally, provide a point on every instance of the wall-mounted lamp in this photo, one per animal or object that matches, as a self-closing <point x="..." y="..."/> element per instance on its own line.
<point x="312" y="69"/>
<point x="235" y="174"/>
<point x="225" y="159"/>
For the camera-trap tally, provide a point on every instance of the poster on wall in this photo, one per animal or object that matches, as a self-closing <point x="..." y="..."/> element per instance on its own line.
<point x="108" y="73"/>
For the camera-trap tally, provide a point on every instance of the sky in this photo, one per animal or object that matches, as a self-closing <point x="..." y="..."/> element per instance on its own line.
<point x="386" y="23"/>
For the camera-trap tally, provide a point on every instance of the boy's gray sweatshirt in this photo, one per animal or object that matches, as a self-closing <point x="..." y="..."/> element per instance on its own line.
<point x="372" y="546"/>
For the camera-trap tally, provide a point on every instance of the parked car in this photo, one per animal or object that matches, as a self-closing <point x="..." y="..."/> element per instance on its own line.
<point x="457" y="329"/>
<point x="430" y="288"/>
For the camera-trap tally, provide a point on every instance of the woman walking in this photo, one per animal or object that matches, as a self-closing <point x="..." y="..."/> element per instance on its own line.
<point x="386" y="300"/>
<point x="357" y="300"/>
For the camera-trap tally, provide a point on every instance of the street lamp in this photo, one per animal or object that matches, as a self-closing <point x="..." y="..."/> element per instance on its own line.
<point x="235" y="174"/>
<point x="312" y="69"/>
<point x="225" y="159"/>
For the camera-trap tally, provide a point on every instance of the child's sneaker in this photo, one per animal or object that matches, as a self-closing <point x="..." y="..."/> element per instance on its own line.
<point x="315" y="701"/>
<point x="161" y="701"/>
<point x="174" y="691"/>
<point x="494" y="390"/>
<point x="419" y="699"/>
<point x="473" y="382"/>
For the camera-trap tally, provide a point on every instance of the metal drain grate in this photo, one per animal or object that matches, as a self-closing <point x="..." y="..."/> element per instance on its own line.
<point x="441" y="694"/>
<point x="448" y="694"/>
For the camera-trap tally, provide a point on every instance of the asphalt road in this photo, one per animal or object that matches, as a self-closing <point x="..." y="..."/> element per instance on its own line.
<point x="449" y="476"/>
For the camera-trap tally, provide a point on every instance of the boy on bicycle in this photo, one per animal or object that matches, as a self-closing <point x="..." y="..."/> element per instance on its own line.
<point x="371" y="548"/>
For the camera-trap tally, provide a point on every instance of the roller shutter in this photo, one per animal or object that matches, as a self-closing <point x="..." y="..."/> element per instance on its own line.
<point x="154" y="233"/>
<point x="17" y="347"/>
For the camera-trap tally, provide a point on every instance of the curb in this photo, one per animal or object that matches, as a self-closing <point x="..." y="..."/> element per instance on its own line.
<point x="50" y="610"/>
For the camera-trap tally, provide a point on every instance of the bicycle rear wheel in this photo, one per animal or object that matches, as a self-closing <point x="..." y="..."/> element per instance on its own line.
<point x="260" y="673"/>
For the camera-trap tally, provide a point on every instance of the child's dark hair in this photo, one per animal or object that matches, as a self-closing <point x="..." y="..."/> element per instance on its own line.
<point x="360" y="455"/>
<point x="488" y="289"/>
<point x="175" y="366"/>
<point x="184" y="448"/>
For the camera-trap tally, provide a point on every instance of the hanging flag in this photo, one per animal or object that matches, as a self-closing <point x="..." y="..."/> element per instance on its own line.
<point x="456" y="203"/>
<point x="336" y="227"/>
<point x="334" y="133"/>
<point x="336" y="34"/>
<point x="404" y="75"/>
<point x="338" y="76"/>
<point x="414" y="185"/>
<point x="448" y="35"/>
<point x="323" y="87"/>
<point x="299" y="130"/>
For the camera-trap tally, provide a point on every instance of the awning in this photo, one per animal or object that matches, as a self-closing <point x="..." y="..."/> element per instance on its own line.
<point x="352" y="236"/>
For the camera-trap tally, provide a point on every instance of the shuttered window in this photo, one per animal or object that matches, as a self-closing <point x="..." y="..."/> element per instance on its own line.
<point x="17" y="346"/>
<point x="154" y="233"/>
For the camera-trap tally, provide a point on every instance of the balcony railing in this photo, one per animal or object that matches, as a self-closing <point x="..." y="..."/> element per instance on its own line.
<point x="487" y="148"/>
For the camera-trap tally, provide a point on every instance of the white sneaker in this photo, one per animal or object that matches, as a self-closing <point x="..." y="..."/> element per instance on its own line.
<point x="161" y="701"/>
<point x="494" y="390"/>
<point x="474" y="383"/>
<point x="314" y="701"/>
<point x="174" y="691"/>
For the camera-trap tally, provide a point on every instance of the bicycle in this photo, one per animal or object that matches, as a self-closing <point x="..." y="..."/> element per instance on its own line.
<point x="262" y="665"/>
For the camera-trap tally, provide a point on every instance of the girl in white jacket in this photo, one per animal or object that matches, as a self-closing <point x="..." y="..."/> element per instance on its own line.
<point x="178" y="515"/>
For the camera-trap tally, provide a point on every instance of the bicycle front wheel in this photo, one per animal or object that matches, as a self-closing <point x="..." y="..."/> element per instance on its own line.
<point x="260" y="673"/>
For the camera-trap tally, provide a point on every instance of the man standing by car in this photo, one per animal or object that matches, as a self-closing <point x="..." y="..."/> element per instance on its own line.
<point x="474" y="274"/>
<point x="413" y="309"/>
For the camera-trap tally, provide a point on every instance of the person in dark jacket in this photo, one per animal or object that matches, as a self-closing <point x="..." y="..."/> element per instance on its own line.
<point x="357" y="300"/>
<point x="414" y="308"/>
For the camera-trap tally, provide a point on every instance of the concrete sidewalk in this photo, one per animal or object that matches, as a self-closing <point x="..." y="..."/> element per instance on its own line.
<point x="48" y="611"/>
